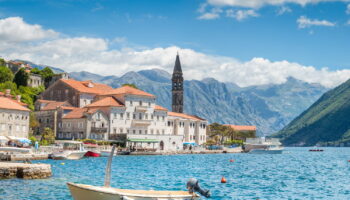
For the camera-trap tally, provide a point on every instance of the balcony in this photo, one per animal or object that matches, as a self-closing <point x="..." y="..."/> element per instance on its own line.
<point x="98" y="130"/>
<point x="136" y="122"/>
<point x="141" y="108"/>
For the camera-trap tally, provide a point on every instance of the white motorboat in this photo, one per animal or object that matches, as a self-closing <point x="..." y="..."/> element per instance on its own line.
<point x="89" y="192"/>
<point x="263" y="146"/>
<point x="71" y="150"/>
<point x="15" y="150"/>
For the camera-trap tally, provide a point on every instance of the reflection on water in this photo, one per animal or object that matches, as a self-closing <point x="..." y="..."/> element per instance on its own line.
<point x="295" y="174"/>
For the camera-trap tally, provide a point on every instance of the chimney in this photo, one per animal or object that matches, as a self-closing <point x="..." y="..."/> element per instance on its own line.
<point x="18" y="98"/>
<point x="8" y="92"/>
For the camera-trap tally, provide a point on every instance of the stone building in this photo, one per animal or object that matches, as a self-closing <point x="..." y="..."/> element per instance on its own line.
<point x="34" y="80"/>
<point x="56" y="77"/>
<point x="84" y="123"/>
<point x="49" y="114"/>
<point x="14" y="118"/>
<point x="77" y="93"/>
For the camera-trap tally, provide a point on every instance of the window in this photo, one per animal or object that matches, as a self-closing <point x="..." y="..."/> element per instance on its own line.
<point x="47" y="120"/>
<point x="121" y="115"/>
<point x="115" y="115"/>
<point x="157" y="117"/>
<point x="146" y="116"/>
<point x="158" y="132"/>
<point x="59" y="125"/>
<point x="130" y="103"/>
<point x="149" y="104"/>
<point x="68" y="125"/>
<point x="168" y="123"/>
<point x="194" y="137"/>
<point x="163" y="132"/>
<point x="152" y="131"/>
<point x="140" y="115"/>
<point x="134" y="116"/>
<point x="140" y="103"/>
<point x="152" y="116"/>
<point x="145" y="131"/>
<point x="140" y="131"/>
<point x="133" y="131"/>
<point x="128" y="115"/>
<point x="163" y="118"/>
<point x="127" y="130"/>
<point x="121" y="130"/>
<point x="115" y="131"/>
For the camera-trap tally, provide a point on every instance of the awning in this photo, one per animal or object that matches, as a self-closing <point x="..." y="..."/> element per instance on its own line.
<point x="143" y="140"/>
<point x="190" y="143"/>
<point x="22" y="140"/>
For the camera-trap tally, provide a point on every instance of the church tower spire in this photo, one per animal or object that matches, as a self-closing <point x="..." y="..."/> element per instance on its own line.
<point x="177" y="87"/>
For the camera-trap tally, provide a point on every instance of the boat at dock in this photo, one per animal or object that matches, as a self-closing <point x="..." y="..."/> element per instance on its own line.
<point x="92" y="150"/>
<point x="89" y="192"/>
<point x="263" y="146"/>
<point x="71" y="150"/>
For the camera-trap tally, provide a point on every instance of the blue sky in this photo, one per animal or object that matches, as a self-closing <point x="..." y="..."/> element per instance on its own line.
<point x="316" y="34"/>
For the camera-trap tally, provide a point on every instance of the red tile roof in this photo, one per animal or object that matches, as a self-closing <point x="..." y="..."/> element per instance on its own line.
<point x="183" y="115"/>
<point x="78" y="113"/>
<point x="105" y="102"/>
<point x="242" y="128"/>
<point x="128" y="90"/>
<point x="83" y="86"/>
<point x="10" y="104"/>
<point x="160" y="108"/>
<point x="54" y="105"/>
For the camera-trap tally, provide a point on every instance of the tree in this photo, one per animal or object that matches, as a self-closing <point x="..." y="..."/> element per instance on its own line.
<point x="5" y="74"/>
<point x="2" y="62"/>
<point x="130" y="85"/>
<point x="33" y="122"/>
<point x="47" y="74"/>
<point x="21" y="77"/>
<point x="48" y="136"/>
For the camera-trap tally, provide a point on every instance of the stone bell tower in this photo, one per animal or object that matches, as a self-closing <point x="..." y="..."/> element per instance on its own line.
<point x="177" y="87"/>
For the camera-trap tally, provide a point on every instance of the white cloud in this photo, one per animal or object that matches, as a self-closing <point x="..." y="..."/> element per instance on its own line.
<point x="284" y="9"/>
<point x="208" y="16"/>
<point x="241" y="14"/>
<point x="214" y="13"/>
<point x="260" y="3"/>
<point x="348" y="9"/>
<point x="95" y="55"/>
<point x="304" y="22"/>
<point x="14" y="29"/>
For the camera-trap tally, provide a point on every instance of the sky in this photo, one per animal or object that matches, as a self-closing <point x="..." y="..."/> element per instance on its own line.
<point x="249" y="43"/>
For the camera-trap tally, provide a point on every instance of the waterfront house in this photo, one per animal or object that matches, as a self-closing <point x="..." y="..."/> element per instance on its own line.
<point x="14" y="118"/>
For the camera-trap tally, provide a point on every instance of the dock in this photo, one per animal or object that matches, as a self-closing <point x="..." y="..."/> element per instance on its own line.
<point x="24" y="170"/>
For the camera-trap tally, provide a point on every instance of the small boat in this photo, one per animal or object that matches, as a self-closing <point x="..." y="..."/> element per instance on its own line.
<point x="71" y="150"/>
<point x="92" y="150"/>
<point x="15" y="150"/>
<point x="89" y="192"/>
<point x="317" y="150"/>
<point x="263" y="146"/>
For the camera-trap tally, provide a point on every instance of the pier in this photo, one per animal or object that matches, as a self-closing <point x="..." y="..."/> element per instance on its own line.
<point x="24" y="170"/>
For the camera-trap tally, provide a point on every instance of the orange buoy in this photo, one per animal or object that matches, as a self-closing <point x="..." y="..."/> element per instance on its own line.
<point x="232" y="160"/>
<point x="223" y="180"/>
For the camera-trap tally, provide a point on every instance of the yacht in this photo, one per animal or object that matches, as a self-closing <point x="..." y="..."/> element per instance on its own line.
<point x="263" y="146"/>
<point x="71" y="150"/>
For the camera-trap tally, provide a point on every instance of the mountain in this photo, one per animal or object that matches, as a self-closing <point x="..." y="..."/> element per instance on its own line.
<point x="326" y="122"/>
<point x="269" y="107"/>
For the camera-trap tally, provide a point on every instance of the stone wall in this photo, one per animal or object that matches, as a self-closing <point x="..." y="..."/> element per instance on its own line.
<point x="25" y="171"/>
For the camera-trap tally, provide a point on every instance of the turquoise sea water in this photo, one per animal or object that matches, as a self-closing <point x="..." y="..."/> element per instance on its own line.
<point x="295" y="174"/>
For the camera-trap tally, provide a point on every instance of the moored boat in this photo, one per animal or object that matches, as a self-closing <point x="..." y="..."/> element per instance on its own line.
<point x="263" y="146"/>
<point x="89" y="192"/>
<point x="92" y="150"/>
<point x="71" y="150"/>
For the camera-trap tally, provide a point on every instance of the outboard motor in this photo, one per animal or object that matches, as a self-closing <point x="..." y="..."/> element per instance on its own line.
<point x="193" y="186"/>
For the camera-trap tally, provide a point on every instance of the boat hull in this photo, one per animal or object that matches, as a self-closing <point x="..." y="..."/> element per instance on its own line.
<point x="73" y="155"/>
<point x="87" y="192"/>
<point x="92" y="154"/>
